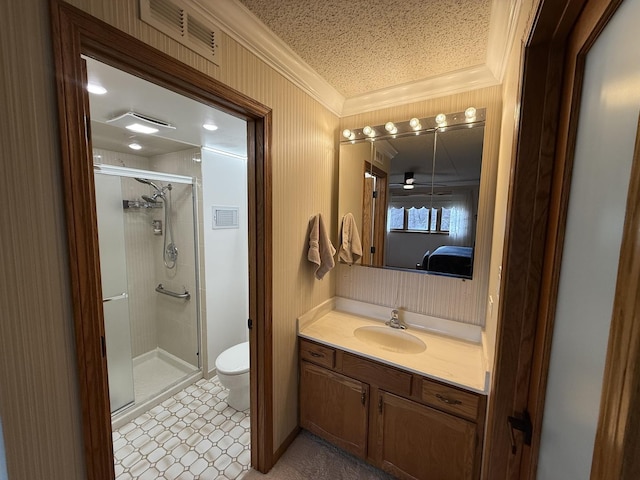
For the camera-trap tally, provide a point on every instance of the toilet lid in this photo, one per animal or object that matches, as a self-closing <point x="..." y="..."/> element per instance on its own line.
<point x="234" y="360"/>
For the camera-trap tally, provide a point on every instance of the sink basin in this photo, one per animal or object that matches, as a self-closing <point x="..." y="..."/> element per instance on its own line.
<point x="390" y="339"/>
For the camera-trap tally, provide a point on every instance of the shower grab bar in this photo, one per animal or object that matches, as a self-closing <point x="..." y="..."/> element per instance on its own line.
<point x="122" y="296"/>
<point x="186" y="295"/>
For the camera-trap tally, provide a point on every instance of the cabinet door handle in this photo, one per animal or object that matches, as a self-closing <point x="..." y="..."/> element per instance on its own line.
<point x="448" y="401"/>
<point x="316" y="354"/>
<point x="363" y="397"/>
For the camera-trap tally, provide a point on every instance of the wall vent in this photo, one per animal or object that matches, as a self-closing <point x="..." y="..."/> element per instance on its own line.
<point x="177" y="20"/>
<point x="225" y="217"/>
<point x="198" y="32"/>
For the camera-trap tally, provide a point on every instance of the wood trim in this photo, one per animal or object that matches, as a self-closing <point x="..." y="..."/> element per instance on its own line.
<point x="379" y="217"/>
<point x="523" y="250"/>
<point x="83" y="247"/>
<point x="537" y="206"/>
<point x="588" y="25"/>
<point x="74" y="33"/>
<point x="617" y="442"/>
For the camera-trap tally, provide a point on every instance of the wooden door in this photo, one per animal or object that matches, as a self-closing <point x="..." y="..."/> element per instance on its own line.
<point x="553" y="70"/>
<point x="334" y="407"/>
<point x="421" y="443"/>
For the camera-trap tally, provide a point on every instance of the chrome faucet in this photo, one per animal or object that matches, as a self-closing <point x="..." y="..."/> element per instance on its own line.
<point x="395" y="322"/>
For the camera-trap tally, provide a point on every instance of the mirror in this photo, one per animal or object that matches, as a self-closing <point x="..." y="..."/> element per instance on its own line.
<point x="414" y="192"/>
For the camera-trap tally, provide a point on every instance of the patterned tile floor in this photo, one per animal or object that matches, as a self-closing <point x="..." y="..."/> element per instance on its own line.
<point x="192" y="435"/>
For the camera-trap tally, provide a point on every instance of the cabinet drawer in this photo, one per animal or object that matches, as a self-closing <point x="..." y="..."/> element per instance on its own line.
<point x="455" y="401"/>
<point x="319" y="354"/>
<point x="387" y="378"/>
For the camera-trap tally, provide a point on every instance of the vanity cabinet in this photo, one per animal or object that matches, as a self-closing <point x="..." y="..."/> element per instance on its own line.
<point x="408" y="425"/>
<point x="334" y="407"/>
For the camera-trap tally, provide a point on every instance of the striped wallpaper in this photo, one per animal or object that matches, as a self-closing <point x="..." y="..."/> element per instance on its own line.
<point x="39" y="400"/>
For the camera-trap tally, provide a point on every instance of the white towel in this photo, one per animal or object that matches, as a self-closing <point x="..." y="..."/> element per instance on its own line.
<point x="321" y="250"/>
<point x="350" y="246"/>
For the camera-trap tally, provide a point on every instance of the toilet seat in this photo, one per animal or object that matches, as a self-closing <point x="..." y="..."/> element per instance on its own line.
<point x="234" y="360"/>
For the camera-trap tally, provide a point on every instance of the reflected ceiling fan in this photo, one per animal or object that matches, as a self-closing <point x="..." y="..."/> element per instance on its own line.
<point x="409" y="182"/>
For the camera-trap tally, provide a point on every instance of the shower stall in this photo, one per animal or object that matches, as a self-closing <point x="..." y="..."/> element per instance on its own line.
<point x="148" y="258"/>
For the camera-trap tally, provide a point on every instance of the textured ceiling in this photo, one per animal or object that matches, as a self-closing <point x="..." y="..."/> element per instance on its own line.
<point x="362" y="46"/>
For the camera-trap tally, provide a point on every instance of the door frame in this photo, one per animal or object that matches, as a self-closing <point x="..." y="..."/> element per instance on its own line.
<point x="75" y="32"/>
<point x="553" y="69"/>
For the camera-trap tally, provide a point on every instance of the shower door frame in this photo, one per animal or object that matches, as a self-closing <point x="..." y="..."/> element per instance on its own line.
<point x="75" y="33"/>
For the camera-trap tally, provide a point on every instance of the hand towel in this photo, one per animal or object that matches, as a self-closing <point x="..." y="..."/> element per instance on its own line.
<point x="350" y="246"/>
<point x="321" y="250"/>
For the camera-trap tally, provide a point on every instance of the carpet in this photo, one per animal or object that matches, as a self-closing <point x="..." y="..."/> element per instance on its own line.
<point x="310" y="457"/>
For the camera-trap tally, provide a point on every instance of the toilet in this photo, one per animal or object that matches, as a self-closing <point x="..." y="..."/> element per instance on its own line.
<point x="232" y="367"/>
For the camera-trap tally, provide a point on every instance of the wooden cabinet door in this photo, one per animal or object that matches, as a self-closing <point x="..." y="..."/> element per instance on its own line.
<point x="334" y="407"/>
<point x="418" y="442"/>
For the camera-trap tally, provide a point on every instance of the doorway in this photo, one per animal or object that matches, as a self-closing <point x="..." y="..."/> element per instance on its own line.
<point x="75" y="34"/>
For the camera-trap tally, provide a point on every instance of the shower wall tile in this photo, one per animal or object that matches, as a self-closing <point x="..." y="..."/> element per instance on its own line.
<point x="140" y="260"/>
<point x="177" y="319"/>
<point x="120" y="159"/>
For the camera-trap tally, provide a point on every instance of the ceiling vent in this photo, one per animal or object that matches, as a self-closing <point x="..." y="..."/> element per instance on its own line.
<point x="177" y="20"/>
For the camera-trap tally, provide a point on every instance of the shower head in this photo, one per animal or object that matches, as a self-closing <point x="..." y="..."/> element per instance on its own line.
<point x="149" y="199"/>
<point x="148" y="182"/>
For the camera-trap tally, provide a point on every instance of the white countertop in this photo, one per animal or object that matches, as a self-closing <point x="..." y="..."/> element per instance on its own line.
<point x="451" y="360"/>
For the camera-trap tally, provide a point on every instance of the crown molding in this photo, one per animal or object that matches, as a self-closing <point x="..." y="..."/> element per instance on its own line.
<point x="245" y="28"/>
<point x="472" y="78"/>
<point x="502" y="33"/>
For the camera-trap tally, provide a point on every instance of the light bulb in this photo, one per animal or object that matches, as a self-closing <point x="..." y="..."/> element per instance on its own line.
<point x="415" y="124"/>
<point x="97" y="89"/>
<point x="138" y="128"/>
<point x="441" y="118"/>
<point x="390" y="127"/>
<point x="408" y="187"/>
<point x="346" y="133"/>
<point x="470" y="113"/>
<point x="368" y="131"/>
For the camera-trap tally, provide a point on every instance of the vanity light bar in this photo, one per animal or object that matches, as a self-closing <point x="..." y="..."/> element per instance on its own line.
<point x="470" y="116"/>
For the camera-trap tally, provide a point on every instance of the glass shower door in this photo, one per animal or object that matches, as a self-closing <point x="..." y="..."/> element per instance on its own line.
<point x="115" y="298"/>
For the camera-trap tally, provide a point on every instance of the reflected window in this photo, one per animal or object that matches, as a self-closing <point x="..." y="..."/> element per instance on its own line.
<point x="427" y="219"/>
<point x="418" y="218"/>
<point x="445" y="219"/>
<point x="396" y="218"/>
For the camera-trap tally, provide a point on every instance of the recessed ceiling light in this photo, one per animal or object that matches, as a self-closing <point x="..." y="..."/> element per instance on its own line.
<point x="95" y="88"/>
<point x="135" y="146"/>
<point x="139" y="128"/>
<point x="210" y="126"/>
